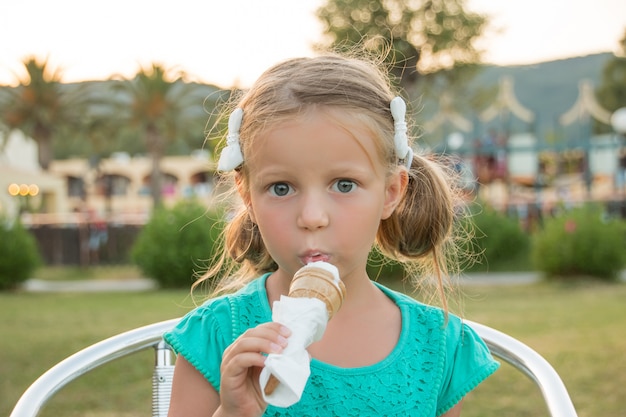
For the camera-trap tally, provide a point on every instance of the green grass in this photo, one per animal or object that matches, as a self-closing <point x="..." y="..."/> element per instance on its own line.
<point x="578" y="328"/>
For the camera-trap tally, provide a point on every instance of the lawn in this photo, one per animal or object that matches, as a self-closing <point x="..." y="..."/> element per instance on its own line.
<point x="580" y="329"/>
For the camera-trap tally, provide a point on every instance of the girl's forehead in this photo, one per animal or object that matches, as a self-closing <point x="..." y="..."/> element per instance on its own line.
<point x="320" y="121"/>
<point x="353" y="121"/>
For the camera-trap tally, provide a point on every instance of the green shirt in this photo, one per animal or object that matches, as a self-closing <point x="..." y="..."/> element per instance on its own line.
<point x="433" y="366"/>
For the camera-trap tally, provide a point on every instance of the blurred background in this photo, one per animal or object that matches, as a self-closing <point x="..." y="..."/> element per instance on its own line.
<point x="109" y="111"/>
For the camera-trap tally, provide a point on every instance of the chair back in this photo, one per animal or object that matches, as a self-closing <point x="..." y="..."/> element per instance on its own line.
<point x="501" y="345"/>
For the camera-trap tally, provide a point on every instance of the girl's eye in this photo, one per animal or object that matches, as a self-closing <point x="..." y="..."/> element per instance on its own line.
<point x="344" y="186"/>
<point x="280" y="189"/>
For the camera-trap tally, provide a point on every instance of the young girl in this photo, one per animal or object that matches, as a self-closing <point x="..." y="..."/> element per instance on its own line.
<point x="320" y="157"/>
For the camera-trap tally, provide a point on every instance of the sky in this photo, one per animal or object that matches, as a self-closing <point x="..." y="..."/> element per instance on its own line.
<point x="231" y="42"/>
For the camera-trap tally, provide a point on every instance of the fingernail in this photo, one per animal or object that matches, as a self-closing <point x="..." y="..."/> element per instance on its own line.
<point x="275" y="348"/>
<point x="282" y="341"/>
<point x="284" y="331"/>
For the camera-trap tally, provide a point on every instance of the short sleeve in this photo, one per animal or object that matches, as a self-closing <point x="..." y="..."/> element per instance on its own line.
<point x="202" y="336"/>
<point x="468" y="362"/>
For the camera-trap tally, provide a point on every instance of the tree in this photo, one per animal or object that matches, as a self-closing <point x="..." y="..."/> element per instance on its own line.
<point x="42" y="107"/>
<point x="425" y="37"/>
<point x="612" y="91"/>
<point x="162" y="108"/>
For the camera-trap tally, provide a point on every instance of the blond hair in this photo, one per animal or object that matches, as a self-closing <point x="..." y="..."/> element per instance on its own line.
<point x="417" y="234"/>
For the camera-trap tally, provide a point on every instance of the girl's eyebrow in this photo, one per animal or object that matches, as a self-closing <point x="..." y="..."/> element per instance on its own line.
<point x="271" y="171"/>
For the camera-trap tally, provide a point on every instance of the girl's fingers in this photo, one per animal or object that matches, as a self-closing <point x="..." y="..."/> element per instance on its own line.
<point x="266" y="338"/>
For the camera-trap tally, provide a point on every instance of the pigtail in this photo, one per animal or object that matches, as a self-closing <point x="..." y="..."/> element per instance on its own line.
<point x="423" y="220"/>
<point x="420" y="232"/>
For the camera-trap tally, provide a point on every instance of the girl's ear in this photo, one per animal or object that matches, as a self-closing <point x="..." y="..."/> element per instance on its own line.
<point x="244" y="193"/>
<point x="394" y="191"/>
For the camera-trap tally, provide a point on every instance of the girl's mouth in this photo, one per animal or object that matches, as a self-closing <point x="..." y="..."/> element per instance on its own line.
<point x="314" y="257"/>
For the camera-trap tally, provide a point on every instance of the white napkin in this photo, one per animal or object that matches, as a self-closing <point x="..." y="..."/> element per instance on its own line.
<point x="307" y="319"/>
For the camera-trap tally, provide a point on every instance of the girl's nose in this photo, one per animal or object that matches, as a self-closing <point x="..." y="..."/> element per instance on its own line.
<point x="313" y="213"/>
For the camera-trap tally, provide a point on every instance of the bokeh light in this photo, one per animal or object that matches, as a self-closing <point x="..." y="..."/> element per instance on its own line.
<point x="23" y="190"/>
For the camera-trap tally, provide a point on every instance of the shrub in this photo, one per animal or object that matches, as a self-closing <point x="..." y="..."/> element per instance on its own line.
<point x="580" y="242"/>
<point x="176" y="243"/>
<point x="498" y="244"/>
<point x="19" y="254"/>
<point x="385" y="270"/>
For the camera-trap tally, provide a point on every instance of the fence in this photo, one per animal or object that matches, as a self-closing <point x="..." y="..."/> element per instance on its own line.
<point x="82" y="244"/>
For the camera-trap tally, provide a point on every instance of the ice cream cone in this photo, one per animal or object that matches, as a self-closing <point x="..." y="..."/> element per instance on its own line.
<point x="316" y="280"/>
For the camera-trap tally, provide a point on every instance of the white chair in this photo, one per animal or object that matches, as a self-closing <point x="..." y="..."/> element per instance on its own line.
<point x="505" y="347"/>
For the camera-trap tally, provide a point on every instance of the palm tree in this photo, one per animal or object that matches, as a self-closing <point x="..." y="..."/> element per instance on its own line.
<point x="42" y="107"/>
<point x="162" y="108"/>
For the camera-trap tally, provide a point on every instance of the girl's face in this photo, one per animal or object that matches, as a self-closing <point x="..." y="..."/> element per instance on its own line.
<point x="318" y="191"/>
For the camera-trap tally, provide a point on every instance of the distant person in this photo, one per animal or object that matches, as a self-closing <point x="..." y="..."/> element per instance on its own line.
<point x="98" y="236"/>
<point x="621" y="174"/>
<point x="319" y="154"/>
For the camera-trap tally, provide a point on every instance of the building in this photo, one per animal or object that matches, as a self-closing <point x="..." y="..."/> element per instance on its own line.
<point x="24" y="186"/>
<point x="115" y="188"/>
<point x="118" y="187"/>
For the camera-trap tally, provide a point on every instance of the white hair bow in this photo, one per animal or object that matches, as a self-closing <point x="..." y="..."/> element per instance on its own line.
<point x="401" y="140"/>
<point x="231" y="156"/>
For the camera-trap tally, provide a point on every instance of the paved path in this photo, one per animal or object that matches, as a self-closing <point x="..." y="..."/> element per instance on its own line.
<point x="499" y="278"/>
<point x="144" y="284"/>
<point x="90" y="285"/>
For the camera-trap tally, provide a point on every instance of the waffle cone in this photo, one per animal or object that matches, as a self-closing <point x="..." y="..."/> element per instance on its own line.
<point x="312" y="282"/>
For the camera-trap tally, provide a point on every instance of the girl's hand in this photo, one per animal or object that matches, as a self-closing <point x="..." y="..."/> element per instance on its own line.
<point x="240" y="392"/>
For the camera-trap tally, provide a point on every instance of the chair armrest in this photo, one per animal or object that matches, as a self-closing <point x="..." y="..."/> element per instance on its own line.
<point x="40" y="391"/>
